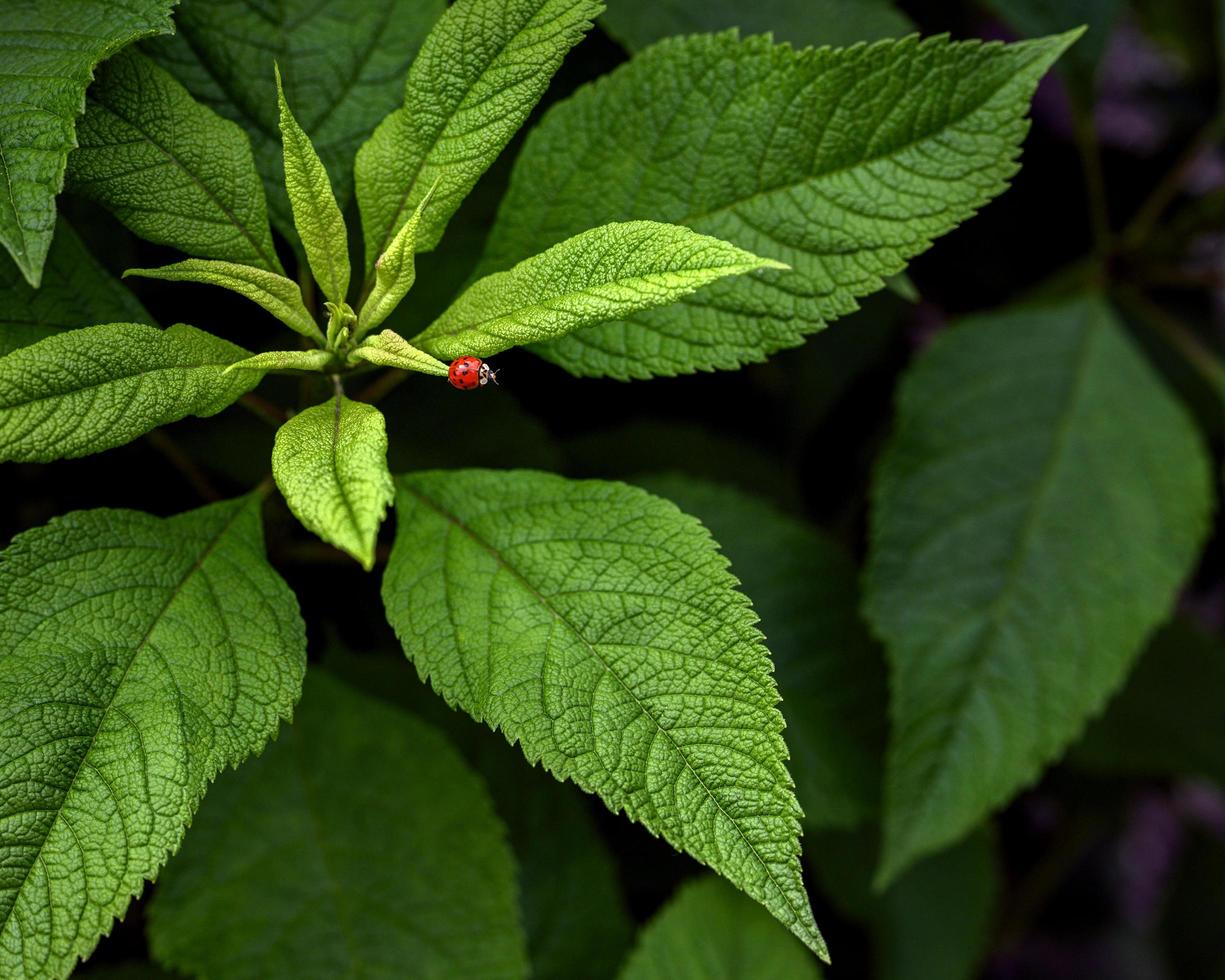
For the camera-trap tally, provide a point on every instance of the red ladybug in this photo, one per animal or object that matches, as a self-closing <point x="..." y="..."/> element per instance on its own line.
<point x="470" y="372"/>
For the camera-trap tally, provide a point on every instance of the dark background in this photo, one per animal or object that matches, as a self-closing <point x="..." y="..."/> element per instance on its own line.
<point x="802" y="429"/>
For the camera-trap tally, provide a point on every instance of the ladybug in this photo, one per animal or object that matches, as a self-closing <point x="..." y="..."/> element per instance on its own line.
<point x="470" y="372"/>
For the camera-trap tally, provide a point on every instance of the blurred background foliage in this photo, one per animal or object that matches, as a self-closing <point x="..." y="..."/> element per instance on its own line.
<point x="1113" y="864"/>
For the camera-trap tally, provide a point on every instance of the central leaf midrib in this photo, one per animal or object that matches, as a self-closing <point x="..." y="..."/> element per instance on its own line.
<point x="546" y="305"/>
<point x="196" y="566"/>
<point x="502" y="562"/>
<point x="993" y="614"/>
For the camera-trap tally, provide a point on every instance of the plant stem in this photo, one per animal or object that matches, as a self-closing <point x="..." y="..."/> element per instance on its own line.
<point x="263" y="409"/>
<point x="186" y="466"/>
<point x="1095" y="180"/>
<point x="1199" y="355"/>
<point x="383" y="385"/>
<point x="1166" y="189"/>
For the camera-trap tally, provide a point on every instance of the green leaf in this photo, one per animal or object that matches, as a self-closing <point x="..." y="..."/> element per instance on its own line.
<point x="1041" y="500"/>
<point x="169" y="168"/>
<point x="343" y="63"/>
<point x="278" y="295"/>
<point x="936" y="920"/>
<point x="316" y="215"/>
<point x="598" y="626"/>
<point x="830" y="673"/>
<point x="395" y="271"/>
<point x="640" y="23"/>
<point x="141" y="656"/>
<point x="76" y="292"/>
<point x="1157" y="726"/>
<point x="285" y="360"/>
<point x="330" y="462"/>
<point x="709" y="931"/>
<point x="843" y="163"/>
<point x="391" y="350"/>
<point x="91" y="389"/>
<point x="572" y="909"/>
<point x="479" y="73"/>
<point x="49" y="49"/>
<point x="605" y="273"/>
<point x="358" y="844"/>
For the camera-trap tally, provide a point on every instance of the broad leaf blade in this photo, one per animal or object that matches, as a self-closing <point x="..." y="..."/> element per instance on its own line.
<point x="605" y="273"/>
<point x="75" y="292"/>
<point x="395" y="271"/>
<point x="49" y="49"/>
<point x="735" y="139"/>
<point x="599" y="627"/>
<point x="709" y="930"/>
<point x="316" y="215"/>
<point x="224" y="52"/>
<point x="830" y="673"/>
<point x="1041" y="500"/>
<point x="198" y="190"/>
<point x="479" y="73"/>
<point x="98" y="387"/>
<point x="358" y="844"/>
<point x="640" y="23"/>
<point x="278" y="295"/>
<point x="141" y="656"/>
<point x="330" y="462"/>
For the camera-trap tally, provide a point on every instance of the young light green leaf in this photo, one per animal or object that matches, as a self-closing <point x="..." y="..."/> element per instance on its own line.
<point x="76" y="292"/>
<point x="330" y="462"/>
<point x="49" y="49"/>
<point x="284" y="360"/>
<point x="278" y="295"/>
<point x="91" y="389"/>
<point x="1041" y="500"/>
<point x="316" y="215"/>
<point x="479" y="73"/>
<point x="830" y="673"/>
<point x="358" y="844"/>
<point x="169" y="168"/>
<point x="141" y="656"/>
<point x="637" y="24"/>
<point x="224" y="53"/>
<point x="598" y="626"/>
<point x="602" y="274"/>
<point x="710" y="931"/>
<point x="391" y="350"/>
<point x="395" y="271"/>
<point x="732" y="138"/>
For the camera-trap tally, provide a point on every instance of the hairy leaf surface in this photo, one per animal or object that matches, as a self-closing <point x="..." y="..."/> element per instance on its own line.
<point x="391" y="350"/>
<point x="598" y="626"/>
<point x="1042" y="498"/>
<point x="140" y="657"/>
<point x="607" y="272"/>
<point x="479" y="73"/>
<point x="343" y="64"/>
<point x="98" y="387"/>
<point x="842" y="163"/>
<point x="284" y="360"/>
<point x="169" y="168"/>
<point x="830" y="674"/>
<point x="75" y="292"/>
<point x="358" y="844"/>
<point x="49" y="49"/>
<point x="709" y="931"/>
<point x="330" y="462"/>
<point x="278" y="295"/>
<point x="316" y="215"/>
<point x="640" y="23"/>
